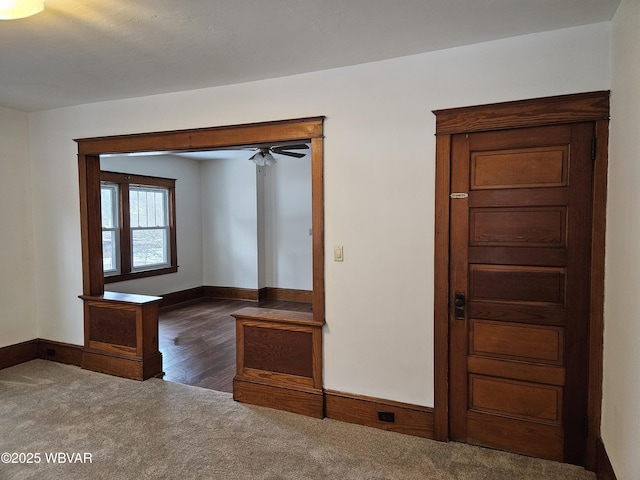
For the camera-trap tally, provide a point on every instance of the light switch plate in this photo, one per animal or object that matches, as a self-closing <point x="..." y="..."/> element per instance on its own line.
<point x="338" y="253"/>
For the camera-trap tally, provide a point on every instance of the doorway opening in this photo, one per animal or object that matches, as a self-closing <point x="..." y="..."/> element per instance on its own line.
<point x="307" y="131"/>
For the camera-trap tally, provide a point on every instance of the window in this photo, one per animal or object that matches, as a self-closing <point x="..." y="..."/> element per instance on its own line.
<point x="138" y="226"/>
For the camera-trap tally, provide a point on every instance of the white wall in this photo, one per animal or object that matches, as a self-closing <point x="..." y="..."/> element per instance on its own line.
<point x="379" y="178"/>
<point x="621" y="387"/>
<point x="186" y="172"/>
<point x="17" y="283"/>
<point x="230" y="223"/>
<point x="287" y="217"/>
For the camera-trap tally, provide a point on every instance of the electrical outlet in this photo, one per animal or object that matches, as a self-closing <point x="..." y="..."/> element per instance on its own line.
<point x="51" y="352"/>
<point x="389" y="417"/>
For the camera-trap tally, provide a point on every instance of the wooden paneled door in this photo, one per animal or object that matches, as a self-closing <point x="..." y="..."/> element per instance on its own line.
<point x="519" y="284"/>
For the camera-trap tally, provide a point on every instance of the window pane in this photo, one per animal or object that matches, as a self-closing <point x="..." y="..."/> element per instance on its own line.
<point x="161" y="202"/>
<point x="149" y="207"/>
<point x="108" y="197"/>
<point x="133" y="208"/>
<point x="109" y="249"/>
<point x="149" y="247"/>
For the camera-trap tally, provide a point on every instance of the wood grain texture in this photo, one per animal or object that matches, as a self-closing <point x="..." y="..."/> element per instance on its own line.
<point x="230" y="292"/>
<point x="516" y="370"/>
<point x="518" y="227"/>
<point x="198" y="340"/>
<point x="254" y="134"/>
<point x="305" y="401"/>
<point x="596" y="328"/>
<point x="441" y="289"/>
<point x="113" y="325"/>
<point x="181" y="296"/>
<point x="91" y="224"/>
<point x="555" y="110"/>
<point x="591" y="106"/>
<point x="278" y="350"/>
<point x="286" y="294"/>
<point x="363" y="410"/>
<point x="60" y="352"/>
<point x="517" y="436"/>
<point x="317" y="224"/>
<point x="517" y="341"/>
<point x="121" y="335"/>
<point x="122" y="366"/>
<point x="18" y="353"/>
<point x="275" y="315"/>
<point x="510" y="398"/>
<point x="531" y="168"/>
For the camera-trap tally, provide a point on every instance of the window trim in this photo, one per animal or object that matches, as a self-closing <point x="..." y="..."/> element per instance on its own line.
<point x="124" y="181"/>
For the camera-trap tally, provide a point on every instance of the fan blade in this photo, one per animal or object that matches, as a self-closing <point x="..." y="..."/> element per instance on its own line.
<point x="299" y="146"/>
<point x="291" y="154"/>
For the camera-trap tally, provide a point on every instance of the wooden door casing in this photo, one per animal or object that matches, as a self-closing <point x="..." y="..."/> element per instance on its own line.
<point x="564" y="109"/>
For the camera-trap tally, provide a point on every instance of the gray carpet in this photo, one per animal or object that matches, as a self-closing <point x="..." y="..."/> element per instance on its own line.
<point x="162" y="430"/>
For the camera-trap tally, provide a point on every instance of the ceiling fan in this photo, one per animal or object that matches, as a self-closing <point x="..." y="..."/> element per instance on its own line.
<point x="264" y="156"/>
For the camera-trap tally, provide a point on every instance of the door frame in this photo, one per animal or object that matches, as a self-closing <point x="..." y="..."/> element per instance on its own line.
<point x="581" y="107"/>
<point x="253" y="134"/>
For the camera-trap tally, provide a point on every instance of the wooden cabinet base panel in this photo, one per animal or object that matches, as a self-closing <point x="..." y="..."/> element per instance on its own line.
<point x="134" y="369"/>
<point x="306" y="401"/>
<point x="408" y="419"/>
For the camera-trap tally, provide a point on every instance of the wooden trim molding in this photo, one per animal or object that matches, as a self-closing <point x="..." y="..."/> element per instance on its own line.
<point x="582" y="107"/>
<point x="18" y="353"/>
<point x="181" y="296"/>
<point x="604" y="469"/>
<point x="60" y="352"/>
<point x="234" y="293"/>
<point x="408" y="419"/>
<point x="304" y="401"/>
<point x="256" y="134"/>
<point x="39" y="348"/>
<point x="596" y="328"/>
<point x="286" y="294"/>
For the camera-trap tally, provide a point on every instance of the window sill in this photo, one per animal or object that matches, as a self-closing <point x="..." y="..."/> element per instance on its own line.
<point x="142" y="274"/>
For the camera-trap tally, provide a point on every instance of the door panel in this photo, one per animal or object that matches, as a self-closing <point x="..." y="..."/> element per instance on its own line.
<point x="516" y="341"/>
<point x="520" y="245"/>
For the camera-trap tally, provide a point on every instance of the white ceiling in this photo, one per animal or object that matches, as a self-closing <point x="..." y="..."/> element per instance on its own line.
<point x="83" y="51"/>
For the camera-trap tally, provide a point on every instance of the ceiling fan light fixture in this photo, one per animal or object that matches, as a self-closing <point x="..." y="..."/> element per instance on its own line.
<point x="14" y="9"/>
<point x="263" y="158"/>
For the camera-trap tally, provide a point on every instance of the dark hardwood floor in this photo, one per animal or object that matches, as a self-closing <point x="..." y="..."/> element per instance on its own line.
<point x="198" y="340"/>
